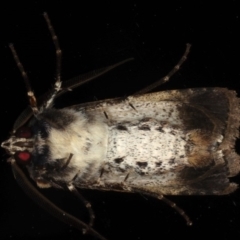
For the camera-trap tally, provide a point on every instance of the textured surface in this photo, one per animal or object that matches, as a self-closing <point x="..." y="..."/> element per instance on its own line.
<point x="174" y="143"/>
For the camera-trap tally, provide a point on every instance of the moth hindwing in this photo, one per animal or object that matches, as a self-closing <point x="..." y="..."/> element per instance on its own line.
<point x="178" y="142"/>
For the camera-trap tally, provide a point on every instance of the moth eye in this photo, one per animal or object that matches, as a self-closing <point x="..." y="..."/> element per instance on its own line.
<point x="22" y="157"/>
<point x="23" y="132"/>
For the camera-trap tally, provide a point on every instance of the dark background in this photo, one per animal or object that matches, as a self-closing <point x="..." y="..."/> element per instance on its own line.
<point x="94" y="35"/>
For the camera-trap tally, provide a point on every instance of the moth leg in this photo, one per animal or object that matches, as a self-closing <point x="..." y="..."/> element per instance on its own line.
<point x="169" y="75"/>
<point x="102" y="171"/>
<point x="164" y="199"/>
<point x="67" y="162"/>
<point x="87" y="205"/>
<point x="126" y="178"/>
<point x="77" y="81"/>
<point x="131" y="170"/>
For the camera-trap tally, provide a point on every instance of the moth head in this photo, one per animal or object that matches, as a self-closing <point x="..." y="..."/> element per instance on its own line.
<point x="20" y="145"/>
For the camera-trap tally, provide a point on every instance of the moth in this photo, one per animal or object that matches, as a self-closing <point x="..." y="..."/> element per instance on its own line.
<point x="178" y="142"/>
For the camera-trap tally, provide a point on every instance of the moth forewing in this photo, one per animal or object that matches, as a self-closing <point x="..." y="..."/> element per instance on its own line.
<point x="191" y="150"/>
<point x="178" y="142"/>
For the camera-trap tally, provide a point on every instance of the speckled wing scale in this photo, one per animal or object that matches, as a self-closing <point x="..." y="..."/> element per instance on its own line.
<point x="178" y="142"/>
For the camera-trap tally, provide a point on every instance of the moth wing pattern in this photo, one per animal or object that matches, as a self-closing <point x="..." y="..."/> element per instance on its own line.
<point x="208" y="119"/>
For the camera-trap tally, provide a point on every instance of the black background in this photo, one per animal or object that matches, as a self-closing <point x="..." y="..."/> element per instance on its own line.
<point x="94" y="35"/>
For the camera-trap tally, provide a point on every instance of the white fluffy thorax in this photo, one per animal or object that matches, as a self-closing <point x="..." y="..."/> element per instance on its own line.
<point x="86" y="141"/>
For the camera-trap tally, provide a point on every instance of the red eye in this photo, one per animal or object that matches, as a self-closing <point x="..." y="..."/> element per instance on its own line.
<point x="23" y="132"/>
<point x="22" y="157"/>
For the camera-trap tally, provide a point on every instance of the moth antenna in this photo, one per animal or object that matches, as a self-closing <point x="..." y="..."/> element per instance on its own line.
<point x="58" y="83"/>
<point x="166" y="200"/>
<point x="57" y="47"/>
<point x="169" y="75"/>
<point x="86" y="203"/>
<point x="30" y="93"/>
